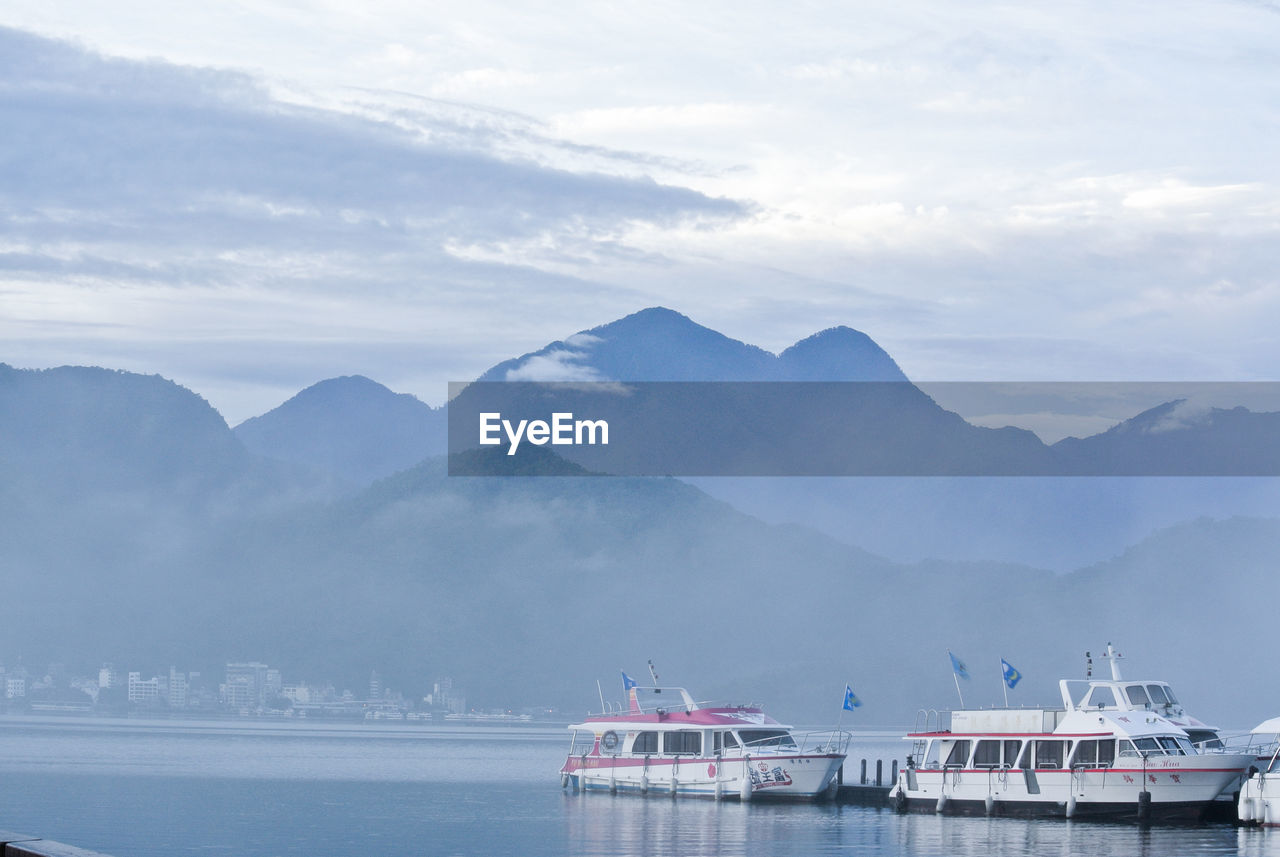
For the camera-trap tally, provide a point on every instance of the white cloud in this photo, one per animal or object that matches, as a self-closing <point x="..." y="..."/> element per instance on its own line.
<point x="1173" y="193"/>
<point x="1090" y="192"/>
<point x="559" y="365"/>
<point x="1183" y="415"/>
<point x="654" y="119"/>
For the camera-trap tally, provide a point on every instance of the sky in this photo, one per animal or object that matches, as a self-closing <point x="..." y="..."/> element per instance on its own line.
<point x="251" y="197"/>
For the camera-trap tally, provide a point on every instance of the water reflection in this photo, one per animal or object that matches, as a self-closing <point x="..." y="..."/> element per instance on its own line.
<point x="118" y="790"/>
<point x="1258" y="842"/>
<point x="657" y="827"/>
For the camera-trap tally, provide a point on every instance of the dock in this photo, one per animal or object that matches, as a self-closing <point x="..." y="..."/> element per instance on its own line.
<point x="19" y="845"/>
<point x="867" y="786"/>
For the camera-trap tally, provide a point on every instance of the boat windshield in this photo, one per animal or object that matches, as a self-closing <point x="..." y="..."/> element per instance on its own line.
<point x="1166" y="745"/>
<point x="755" y="738"/>
<point x="1205" y="738"/>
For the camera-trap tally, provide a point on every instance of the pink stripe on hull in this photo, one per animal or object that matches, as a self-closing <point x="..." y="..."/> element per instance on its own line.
<point x="574" y="763"/>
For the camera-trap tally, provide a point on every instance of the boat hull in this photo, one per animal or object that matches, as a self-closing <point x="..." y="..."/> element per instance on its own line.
<point x="1094" y="810"/>
<point x="1171" y="788"/>
<point x="781" y="777"/>
<point x="1259" y="801"/>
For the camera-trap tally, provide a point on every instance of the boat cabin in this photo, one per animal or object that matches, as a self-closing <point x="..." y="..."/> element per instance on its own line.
<point x="684" y="729"/>
<point x="693" y="742"/>
<point x="1137" y="696"/>
<point x="1039" y="752"/>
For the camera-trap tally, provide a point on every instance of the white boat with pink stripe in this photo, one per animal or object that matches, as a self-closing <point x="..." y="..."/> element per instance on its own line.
<point x="1115" y="748"/>
<point x="668" y="744"/>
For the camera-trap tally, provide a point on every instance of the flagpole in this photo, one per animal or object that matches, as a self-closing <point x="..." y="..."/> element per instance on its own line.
<point x="1004" y="684"/>
<point x="956" y="677"/>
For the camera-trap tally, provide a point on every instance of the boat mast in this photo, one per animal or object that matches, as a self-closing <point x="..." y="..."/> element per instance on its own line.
<point x="1114" y="657"/>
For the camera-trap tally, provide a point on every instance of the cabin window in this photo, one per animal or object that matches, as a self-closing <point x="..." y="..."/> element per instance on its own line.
<point x="1146" y="745"/>
<point x="1171" y="744"/>
<point x="646" y="742"/>
<point x="1102" y="697"/>
<point x="1011" y="749"/>
<point x="1205" y="738"/>
<point x="1127" y="748"/>
<point x="723" y="741"/>
<point x="931" y="755"/>
<point x="1137" y="695"/>
<point x="1049" y="754"/>
<point x="986" y="754"/>
<point x="959" y="755"/>
<point x="753" y="738"/>
<point x="1168" y="691"/>
<point x="1156" y="692"/>
<point x="682" y="743"/>
<point x="1095" y="754"/>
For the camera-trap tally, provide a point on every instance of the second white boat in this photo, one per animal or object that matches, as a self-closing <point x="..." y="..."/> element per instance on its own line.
<point x="1108" y="751"/>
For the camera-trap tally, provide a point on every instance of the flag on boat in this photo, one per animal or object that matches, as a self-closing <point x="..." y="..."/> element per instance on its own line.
<point x="957" y="666"/>
<point x="1011" y="676"/>
<point x="851" y="701"/>
<point x="629" y="687"/>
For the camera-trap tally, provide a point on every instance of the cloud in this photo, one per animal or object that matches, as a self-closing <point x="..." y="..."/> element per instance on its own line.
<point x="1172" y="193"/>
<point x="556" y="365"/>
<point x="120" y="159"/>
<point x="990" y="192"/>
<point x="1185" y="414"/>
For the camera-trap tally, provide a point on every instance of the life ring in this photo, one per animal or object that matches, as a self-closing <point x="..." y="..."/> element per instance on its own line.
<point x="609" y="740"/>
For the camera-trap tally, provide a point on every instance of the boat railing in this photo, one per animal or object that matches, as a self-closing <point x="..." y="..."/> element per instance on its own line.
<point x="1258" y="744"/>
<point x="930" y="720"/>
<point x="825" y="741"/>
<point x="614" y="709"/>
<point x="582" y="742"/>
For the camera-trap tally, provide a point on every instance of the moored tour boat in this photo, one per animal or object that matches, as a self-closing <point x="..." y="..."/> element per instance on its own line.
<point x="1115" y="748"/>
<point x="1260" y="794"/>
<point x="672" y="745"/>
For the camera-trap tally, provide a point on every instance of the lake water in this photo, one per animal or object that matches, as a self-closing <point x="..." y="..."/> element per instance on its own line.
<point x="145" y="789"/>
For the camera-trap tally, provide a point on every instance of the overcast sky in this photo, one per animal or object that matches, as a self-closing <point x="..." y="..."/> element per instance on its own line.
<point x="250" y="197"/>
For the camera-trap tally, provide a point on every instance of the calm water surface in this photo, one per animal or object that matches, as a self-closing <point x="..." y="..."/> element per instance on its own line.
<point x="145" y="789"/>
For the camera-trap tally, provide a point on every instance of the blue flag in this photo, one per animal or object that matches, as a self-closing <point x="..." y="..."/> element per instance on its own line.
<point x="627" y="682"/>
<point x="1011" y="676"/>
<point x="850" y="700"/>
<point x="957" y="665"/>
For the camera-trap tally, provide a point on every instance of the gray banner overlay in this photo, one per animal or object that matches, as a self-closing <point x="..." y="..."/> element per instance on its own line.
<point x="864" y="429"/>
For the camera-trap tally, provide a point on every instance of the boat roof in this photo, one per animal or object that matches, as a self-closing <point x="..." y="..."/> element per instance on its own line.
<point x="673" y="707"/>
<point x="1267" y="727"/>
<point x="1060" y="723"/>
<point x="728" y="718"/>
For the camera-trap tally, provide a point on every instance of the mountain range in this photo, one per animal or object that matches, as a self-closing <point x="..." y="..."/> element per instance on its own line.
<point x="1035" y="521"/>
<point x="138" y="527"/>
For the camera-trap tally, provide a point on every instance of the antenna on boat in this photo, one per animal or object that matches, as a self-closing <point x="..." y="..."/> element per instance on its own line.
<point x="653" y="672"/>
<point x="1112" y="655"/>
<point x="603" y="708"/>
<point x="1088" y="665"/>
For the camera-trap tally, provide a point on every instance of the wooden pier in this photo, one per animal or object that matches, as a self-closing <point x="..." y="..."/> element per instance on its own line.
<point x="18" y="845"/>
<point x="869" y="786"/>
